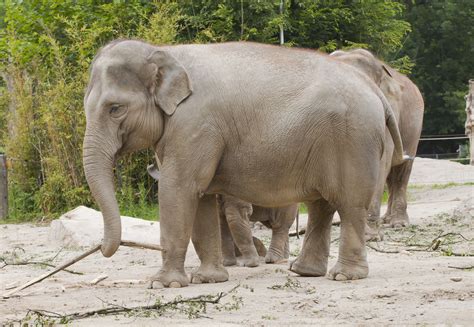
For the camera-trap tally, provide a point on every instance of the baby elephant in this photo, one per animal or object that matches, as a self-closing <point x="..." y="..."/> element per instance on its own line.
<point x="235" y="215"/>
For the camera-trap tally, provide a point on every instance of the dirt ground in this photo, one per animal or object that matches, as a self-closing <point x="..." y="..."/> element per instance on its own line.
<point x="420" y="278"/>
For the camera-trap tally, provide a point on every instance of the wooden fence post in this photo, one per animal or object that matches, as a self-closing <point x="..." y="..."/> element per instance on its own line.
<point x="3" y="186"/>
<point x="470" y="119"/>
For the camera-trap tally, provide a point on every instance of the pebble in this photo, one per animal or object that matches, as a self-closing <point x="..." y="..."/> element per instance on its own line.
<point x="456" y="279"/>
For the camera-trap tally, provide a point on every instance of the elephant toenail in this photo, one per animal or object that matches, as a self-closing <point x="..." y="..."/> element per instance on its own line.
<point x="175" y="285"/>
<point x="341" y="277"/>
<point x="196" y="280"/>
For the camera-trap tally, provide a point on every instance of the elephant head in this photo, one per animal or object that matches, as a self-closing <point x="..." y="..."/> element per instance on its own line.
<point x="132" y="86"/>
<point x="376" y="70"/>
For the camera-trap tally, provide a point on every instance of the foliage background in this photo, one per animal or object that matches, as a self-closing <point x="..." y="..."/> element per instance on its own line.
<point x="46" y="47"/>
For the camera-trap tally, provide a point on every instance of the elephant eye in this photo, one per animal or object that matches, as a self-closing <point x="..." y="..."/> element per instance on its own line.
<point x="114" y="108"/>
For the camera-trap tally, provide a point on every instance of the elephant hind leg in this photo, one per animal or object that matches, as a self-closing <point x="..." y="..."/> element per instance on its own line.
<point x="397" y="215"/>
<point x="313" y="259"/>
<point x="352" y="260"/>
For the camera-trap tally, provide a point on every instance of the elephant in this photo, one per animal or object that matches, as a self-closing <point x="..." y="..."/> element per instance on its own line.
<point x="235" y="215"/>
<point x="269" y="125"/>
<point x="408" y="106"/>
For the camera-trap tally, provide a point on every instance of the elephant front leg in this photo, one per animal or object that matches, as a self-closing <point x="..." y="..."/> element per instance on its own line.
<point x="207" y="242"/>
<point x="352" y="260"/>
<point x="313" y="259"/>
<point x="176" y="223"/>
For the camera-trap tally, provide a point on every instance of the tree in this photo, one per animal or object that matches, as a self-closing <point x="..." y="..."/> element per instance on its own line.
<point x="442" y="47"/>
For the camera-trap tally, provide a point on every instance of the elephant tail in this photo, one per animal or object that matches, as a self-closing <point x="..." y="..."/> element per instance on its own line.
<point x="399" y="155"/>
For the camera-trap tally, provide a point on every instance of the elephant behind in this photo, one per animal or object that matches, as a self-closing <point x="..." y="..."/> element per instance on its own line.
<point x="408" y="106"/>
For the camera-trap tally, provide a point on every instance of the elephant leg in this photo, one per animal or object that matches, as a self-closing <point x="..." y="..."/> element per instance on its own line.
<point x="352" y="260"/>
<point x="373" y="231"/>
<point x="279" y="250"/>
<point x="227" y="242"/>
<point x="206" y="240"/>
<point x="397" y="186"/>
<point x="242" y="234"/>
<point x="176" y="223"/>
<point x="279" y="247"/>
<point x="313" y="259"/>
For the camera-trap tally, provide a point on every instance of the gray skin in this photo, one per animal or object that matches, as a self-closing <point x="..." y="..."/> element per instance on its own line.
<point x="408" y="107"/>
<point x="235" y="216"/>
<point x="225" y="119"/>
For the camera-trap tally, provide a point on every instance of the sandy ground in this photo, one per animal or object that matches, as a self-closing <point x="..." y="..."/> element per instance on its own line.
<point x="413" y="284"/>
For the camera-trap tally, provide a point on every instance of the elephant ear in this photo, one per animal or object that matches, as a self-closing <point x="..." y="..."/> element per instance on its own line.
<point x="170" y="85"/>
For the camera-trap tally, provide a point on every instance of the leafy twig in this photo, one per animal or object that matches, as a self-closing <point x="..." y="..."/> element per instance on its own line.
<point x="196" y="305"/>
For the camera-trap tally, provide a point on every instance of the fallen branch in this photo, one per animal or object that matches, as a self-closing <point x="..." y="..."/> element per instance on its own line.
<point x="462" y="268"/>
<point x="302" y="231"/>
<point x="44" y="276"/>
<point x="76" y="259"/>
<point x="159" y="307"/>
<point x="40" y="263"/>
<point x="380" y="250"/>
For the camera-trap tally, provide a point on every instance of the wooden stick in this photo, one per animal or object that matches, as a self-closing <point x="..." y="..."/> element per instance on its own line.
<point x="44" y="276"/>
<point x="76" y="259"/>
<point x="142" y="245"/>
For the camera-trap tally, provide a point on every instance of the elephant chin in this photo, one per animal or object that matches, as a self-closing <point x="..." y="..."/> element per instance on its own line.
<point x="99" y="175"/>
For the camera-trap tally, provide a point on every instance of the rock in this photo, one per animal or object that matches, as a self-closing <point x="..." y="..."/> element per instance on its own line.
<point x="84" y="227"/>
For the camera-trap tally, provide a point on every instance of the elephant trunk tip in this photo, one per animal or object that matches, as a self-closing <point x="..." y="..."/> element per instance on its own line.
<point x="108" y="249"/>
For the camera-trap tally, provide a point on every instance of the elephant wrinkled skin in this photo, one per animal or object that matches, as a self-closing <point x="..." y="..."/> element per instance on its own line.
<point x="408" y="107"/>
<point x="269" y="125"/>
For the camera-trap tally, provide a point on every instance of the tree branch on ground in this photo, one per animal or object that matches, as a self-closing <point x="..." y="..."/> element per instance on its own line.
<point x="193" y="308"/>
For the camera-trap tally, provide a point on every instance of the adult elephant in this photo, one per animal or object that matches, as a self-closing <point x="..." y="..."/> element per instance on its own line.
<point x="407" y="104"/>
<point x="270" y="125"/>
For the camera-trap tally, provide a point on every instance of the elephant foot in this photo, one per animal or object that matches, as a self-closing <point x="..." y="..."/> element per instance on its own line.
<point x="373" y="233"/>
<point x="273" y="257"/>
<point x="210" y="274"/>
<point x="397" y="220"/>
<point x="346" y="271"/>
<point x="314" y="270"/>
<point x="229" y="262"/>
<point x="173" y="279"/>
<point x="249" y="261"/>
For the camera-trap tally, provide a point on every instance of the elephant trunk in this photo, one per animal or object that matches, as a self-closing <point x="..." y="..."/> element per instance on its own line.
<point x="98" y="168"/>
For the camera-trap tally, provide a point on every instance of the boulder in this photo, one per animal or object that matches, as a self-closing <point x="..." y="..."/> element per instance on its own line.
<point x="84" y="227"/>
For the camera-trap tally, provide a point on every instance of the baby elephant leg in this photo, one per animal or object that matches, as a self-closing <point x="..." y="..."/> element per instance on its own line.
<point x="237" y="218"/>
<point x="279" y="246"/>
<point x="227" y="242"/>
